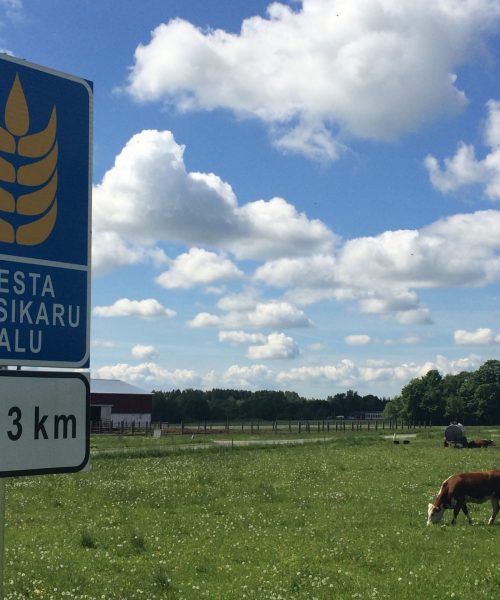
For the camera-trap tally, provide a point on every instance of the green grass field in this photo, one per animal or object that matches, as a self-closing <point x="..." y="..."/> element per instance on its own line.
<point x="341" y="519"/>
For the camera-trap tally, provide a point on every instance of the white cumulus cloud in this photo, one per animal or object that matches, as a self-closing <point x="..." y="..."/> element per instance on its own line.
<point x="144" y="352"/>
<point x="383" y="273"/>
<point x="322" y="72"/>
<point x="110" y="251"/>
<point x="349" y="374"/>
<point x="358" y="340"/>
<point x="277" y="345"/>
<point x="252" y="377"/>
<point x="483" y="336"/>
<point x="273" y="315"/>
<point x="149" y="375"/>
<point x="345" y="372"/>
<point x="465" y="169"/>
<point x="148" y="196"/>
<point x="146" y="309"/>
<point x="198" y="266"/>
<point x="241" y="337"/>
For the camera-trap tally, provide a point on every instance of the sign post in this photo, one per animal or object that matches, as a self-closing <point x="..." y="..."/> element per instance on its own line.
<point x="2" y="532"/>
<point x="45" y="216"/>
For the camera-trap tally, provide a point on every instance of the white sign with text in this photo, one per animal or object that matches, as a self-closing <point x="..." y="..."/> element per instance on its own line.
<point x="44" y="422"/>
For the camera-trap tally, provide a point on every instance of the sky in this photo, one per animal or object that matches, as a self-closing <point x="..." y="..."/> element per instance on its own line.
<point x="294" y="195"/>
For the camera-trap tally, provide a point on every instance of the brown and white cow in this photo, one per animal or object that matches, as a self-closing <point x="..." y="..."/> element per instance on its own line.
<point x="459" y="489"/>
<point x="480" y="443"/>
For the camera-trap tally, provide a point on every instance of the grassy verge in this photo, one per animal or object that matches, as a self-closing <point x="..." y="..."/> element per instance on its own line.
<point x="339" y="520"/>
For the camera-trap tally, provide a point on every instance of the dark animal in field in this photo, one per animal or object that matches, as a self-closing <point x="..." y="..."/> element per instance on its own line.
<point x="480" y="443"/>
<point x="457" y="490"/>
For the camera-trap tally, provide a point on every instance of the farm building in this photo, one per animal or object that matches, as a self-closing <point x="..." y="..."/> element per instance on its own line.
<point x="119" y="402"/>
<point x="373" y="415"/>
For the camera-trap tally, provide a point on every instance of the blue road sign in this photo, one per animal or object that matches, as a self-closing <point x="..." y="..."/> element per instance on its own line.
<point x="45" y="210"/>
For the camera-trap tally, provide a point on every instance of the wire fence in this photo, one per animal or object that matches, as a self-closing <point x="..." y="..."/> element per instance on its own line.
<point x="251" y="427"/>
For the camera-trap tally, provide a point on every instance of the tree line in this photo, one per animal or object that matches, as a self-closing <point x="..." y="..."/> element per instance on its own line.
<point x="222" y="404"/>
<point x="469" y="397"/>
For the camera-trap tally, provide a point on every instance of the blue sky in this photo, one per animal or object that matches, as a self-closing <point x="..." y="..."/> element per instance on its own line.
<point x="299" y="195"/>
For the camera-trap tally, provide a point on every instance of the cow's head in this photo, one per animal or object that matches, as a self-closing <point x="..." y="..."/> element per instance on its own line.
<point x="434" y="514"/>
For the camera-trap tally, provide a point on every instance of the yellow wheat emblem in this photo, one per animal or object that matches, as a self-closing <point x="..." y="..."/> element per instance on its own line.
<point x="29" y="161"/>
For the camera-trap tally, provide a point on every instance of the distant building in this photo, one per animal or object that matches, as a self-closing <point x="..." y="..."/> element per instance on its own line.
<point x="374" y="416"/>
<point x="119" y="402"/>
<point x="360" y="415"/>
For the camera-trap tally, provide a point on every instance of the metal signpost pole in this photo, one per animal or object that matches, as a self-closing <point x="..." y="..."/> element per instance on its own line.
<point x="2" y="532"/>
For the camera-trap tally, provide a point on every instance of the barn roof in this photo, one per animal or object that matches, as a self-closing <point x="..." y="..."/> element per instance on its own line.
<point x="114" y="386"/>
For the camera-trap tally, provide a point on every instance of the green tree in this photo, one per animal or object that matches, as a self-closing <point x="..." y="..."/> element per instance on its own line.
<point x="433" y="401"/>
<point x="480" y="391"/>
<point x="195" y="405"/>
<point x="423" y="398"/>
<point x="395" y="409"/>
<point x="455" y="408"/>
<point x="412" y="397"/>
<point x="166" y="407"/>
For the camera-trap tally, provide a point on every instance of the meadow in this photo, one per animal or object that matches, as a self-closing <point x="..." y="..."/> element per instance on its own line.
<point x="342" y="518"/>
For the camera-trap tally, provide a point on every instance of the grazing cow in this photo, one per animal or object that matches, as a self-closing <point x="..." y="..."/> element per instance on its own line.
<point x="480" y="443"/>
<point x="459" y="489"/>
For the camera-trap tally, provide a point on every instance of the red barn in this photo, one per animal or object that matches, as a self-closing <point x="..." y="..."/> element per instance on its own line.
<point x="119" y="402"/>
